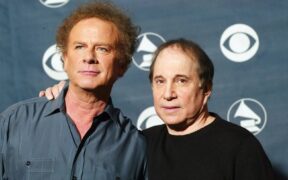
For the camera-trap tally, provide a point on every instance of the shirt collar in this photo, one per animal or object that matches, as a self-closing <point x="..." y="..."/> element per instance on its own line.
<point x="58" y="105"/>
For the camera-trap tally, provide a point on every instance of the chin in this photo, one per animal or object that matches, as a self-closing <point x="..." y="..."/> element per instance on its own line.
<point x="177" y="125"/>
<point x="88" y="84"/>
<point x="170" y="120"/>
<point x="87" y="87"/>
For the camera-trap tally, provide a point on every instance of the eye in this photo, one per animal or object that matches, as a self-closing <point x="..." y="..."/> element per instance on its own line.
<point x="78" y="46"/>
<point x="103" y="49"/>
<point x="181" y="81"/>
<point x="158" y="81"/>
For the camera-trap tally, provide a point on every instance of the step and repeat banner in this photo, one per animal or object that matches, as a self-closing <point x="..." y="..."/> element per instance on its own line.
<point x="247" y="41"/>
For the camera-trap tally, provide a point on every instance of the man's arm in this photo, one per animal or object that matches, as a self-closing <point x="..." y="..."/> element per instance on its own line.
<point x="2" y="140"/>
<point x="54" y="91"/>
<point x="252" y="163"/>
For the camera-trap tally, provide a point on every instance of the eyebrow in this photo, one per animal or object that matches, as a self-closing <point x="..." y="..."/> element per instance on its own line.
<point x="78" y="42"/>
<point x="97" y="44"/>
<point x="181" y="75"/>
<point x="156" y="77"/>
<point x="177" y="75"/>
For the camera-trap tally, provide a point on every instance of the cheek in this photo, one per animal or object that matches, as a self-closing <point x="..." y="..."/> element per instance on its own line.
<point x="156" y="94"/>
<point x="188" y="96"/>
<point x="108" y="63"/>
<point x="111" y="69"/>
<point x="68" y="66"/>
<point x="65" y="65"/>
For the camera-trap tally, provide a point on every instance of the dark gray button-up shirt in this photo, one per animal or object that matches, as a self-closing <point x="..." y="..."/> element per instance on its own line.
<point x="38" y="141"/>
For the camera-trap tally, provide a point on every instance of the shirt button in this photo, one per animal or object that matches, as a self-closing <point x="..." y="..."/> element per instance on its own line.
<point x="28" y="163"/>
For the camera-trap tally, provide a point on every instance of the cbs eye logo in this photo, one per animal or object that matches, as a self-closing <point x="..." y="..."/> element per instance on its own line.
<point x="53" y="65"/>
<point x="54" y="3"/>
<point x="239" y="43"/>
<point x="148" y="118"/>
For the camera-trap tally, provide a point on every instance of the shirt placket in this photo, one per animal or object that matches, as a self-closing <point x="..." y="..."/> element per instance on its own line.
<point x="78" y="165"/>
<point x="79" y="159"/>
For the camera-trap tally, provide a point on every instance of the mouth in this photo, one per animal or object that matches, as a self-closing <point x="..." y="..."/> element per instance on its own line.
<point x="170" y="109"/>
<point x="89" y="73"/>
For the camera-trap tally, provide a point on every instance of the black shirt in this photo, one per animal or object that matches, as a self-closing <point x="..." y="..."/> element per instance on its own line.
<point x="219" y="151"/>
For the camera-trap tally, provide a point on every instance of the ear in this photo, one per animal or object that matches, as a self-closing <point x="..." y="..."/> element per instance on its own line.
<point x="207" y="92"/>
<point x="64" y="60"/>
<point x="121" y="70"/>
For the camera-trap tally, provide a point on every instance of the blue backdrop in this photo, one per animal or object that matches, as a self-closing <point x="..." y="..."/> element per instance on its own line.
<point x="247" y="41"/>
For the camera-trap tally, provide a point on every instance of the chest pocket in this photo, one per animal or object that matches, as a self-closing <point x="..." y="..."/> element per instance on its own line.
<point x="99" y="173"/>
<point x="103" y="174"/>
<point x="39" y="168"/>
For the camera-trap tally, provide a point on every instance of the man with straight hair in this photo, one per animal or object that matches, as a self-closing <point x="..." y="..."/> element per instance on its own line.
<point x="195" y="143"/>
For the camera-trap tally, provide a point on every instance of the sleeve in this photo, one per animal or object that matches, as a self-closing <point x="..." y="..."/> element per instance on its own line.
<point x="144" y="168"/>
<point x="1" y="146"/>
<point x="145" y="171"/>
<point x="144" y="164"/>
<point x="252" y="163"/>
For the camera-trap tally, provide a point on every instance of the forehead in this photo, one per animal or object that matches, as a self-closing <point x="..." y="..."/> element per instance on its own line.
<point x="173" y="61"/>
<point x="94" y="28"/>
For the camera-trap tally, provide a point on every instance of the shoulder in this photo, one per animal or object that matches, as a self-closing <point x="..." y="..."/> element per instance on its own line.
<point x="127" y="127"/>
<point x="228" y="129"/>
<point x="154" y="131"/>
<point x="24" y="109"/>
<point x="232" y="135"/>
<point x="246" y="152"/>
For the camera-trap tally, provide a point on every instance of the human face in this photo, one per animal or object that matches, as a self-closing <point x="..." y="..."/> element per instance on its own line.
<point x="90" y="60"/>
<point x="178" y="97"/>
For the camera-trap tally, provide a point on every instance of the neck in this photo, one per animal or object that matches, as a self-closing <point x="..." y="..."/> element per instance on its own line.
<point x="82" y="106"/>
<point x="193" y="124"/>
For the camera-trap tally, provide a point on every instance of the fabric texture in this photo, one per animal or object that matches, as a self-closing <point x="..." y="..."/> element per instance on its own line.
<point x="219" y="151"/>
<point x="38" y="140"/>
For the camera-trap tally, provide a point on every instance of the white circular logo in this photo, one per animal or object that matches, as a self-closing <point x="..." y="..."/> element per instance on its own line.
<point x="148" y="118"/>
<point x="249" y="114"/>
<point x="54" y="3"/>
<point x="53" y="65"/>
<point x="239" y="43"/>
<point x="147" y="45"/>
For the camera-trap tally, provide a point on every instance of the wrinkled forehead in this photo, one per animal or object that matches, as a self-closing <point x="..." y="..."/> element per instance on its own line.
<point x="182" y="52"/>
<point x="174" y="60"/>
<point x="94" y="26"/>
<point x="188" y="51"/>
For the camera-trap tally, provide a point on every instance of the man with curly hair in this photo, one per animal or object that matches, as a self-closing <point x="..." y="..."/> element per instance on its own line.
<point x="81" y="135"/>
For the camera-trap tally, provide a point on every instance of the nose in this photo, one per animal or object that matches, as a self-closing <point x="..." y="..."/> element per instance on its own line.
<point x="90" y="57"/>
<point x="169" y="92"/>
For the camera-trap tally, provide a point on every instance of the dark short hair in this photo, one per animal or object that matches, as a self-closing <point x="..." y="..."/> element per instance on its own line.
<point x="196" y="53"/>
<point x="127" y="31"/>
